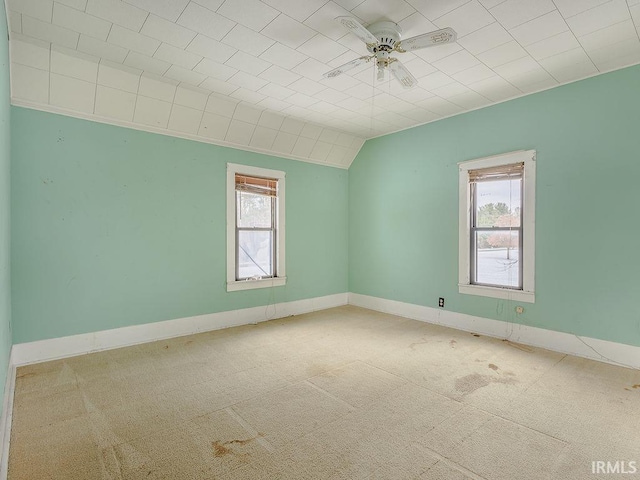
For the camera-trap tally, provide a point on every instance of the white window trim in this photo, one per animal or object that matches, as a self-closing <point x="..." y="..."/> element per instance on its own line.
<point x="233" y="284"/>
<point x="527" y="294"/>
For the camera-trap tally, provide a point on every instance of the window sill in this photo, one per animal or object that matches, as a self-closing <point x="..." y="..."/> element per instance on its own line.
<point x="495" y="292"/>
<point x="251" y="284"/>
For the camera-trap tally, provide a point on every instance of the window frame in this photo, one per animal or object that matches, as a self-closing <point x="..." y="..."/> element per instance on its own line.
<point x="527" y="293"/>
<point x="280" y="278"/>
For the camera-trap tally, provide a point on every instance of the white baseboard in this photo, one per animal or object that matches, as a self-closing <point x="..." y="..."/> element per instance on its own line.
<point x="592" y="348"/>
<point x="54" y="348"/>
<point x="43" y="350"/>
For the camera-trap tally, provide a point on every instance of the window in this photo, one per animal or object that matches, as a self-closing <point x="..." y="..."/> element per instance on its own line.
<point x="255" y="228"/>
<point x="497" y="208"/>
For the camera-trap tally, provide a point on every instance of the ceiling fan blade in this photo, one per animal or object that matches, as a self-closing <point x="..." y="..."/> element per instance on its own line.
<point x="357" y="29"/>
<point x="402" y="74"/>
<point x="431" y="39"/>
<point x="347" y="66"/>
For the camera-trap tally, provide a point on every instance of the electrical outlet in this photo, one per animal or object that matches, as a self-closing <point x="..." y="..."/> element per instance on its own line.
<point x="441" y="302"/>
<point x="519" y="310"/>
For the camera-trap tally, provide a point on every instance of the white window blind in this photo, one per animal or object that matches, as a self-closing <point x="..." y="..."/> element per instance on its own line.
<point x="501" y="172"/>
<point x="257" y="185"/>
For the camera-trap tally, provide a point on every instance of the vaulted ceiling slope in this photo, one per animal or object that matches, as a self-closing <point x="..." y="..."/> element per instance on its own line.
<point x="248" y="73"/>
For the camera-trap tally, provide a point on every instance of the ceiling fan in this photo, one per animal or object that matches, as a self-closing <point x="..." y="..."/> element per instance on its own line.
<point x="382" y="38"/>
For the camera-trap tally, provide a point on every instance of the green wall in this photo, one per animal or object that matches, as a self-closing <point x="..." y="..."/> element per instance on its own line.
<point x="5" y="205"/>
<point x="114" y="227"/>
<point x="403" y="199"/>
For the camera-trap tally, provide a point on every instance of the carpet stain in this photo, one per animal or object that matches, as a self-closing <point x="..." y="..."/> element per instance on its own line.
<point x="474" y="381"/>
<point x="220" y="449"/>
<point x="524" y="348"/>
<point x="240" y="442"/>
<point x="493" y="367"/>
<point x="166" y="347"/>
<point x="636" y="385"/>
<point x="452" y="344"/>
<point x="475" y="334"/>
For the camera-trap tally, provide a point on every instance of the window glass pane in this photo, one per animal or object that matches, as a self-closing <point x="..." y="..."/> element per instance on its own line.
<point x="253" y="211"/>
<point x="255" y="252"/>
<point x="498" y="258"/>
<point x="498" y="203"/>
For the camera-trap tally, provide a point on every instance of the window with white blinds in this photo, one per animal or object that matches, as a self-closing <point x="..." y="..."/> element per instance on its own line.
<point x="496" y="226"/>
<point x="255" y="230"/>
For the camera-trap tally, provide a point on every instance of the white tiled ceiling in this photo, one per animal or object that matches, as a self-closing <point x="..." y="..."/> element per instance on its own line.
<point x="248" y="73"/>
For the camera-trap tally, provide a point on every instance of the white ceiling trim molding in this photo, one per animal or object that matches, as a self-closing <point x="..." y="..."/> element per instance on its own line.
<point x="161" y="131"/>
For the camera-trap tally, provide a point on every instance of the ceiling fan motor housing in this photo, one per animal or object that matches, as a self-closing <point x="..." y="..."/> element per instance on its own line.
<point x="388" y="34"/>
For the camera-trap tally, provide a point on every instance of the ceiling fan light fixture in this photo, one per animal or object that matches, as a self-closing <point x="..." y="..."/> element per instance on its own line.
<point x="381" y="39"/>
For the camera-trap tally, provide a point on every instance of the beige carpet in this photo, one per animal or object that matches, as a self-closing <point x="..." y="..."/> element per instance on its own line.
<point x="341" y="394"/>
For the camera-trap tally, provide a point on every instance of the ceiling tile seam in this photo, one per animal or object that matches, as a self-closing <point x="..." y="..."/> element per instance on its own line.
<point x="432" y="19"/>
<point x="270" y="22"/>
<point x="147" y="36"/>
<point x="319" y="33"/>
<point x="361" y="2"/>
<point x="95" y="95"/>
<point x="143" y="23"/>
<point x="526" y="21"/>
<point x="186" y="49"/>
<point x="76" y="9"/>
<point x="49" y="74"/>
<point x="77" y="40"/>
<point x="135" y="103"/>
<point x="106" y="40"/>
<point x="16" y="62"/>
<point x="521" y="46"/>
<point x="469" y="68"/>
<point x="586" y="51"/>
<point x="173" y="103"/>
<point x="584" y="11"/>
<point x="549" y="38"/>
<point x="10" y="56"/>
<point x="82" y="11"/>
<point x="491" y="48"/>
<point x="633" y="20"/>
<point x="316" y="11"/>
<point x="577" y="37"/>
<point x="182" y="13"/>
<point x="456" y="8"/>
